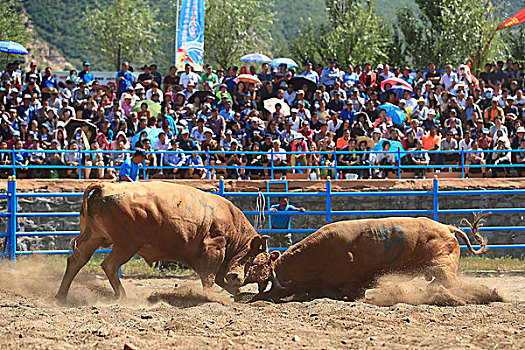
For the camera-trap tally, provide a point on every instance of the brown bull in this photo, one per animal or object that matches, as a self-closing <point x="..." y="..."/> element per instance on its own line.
<point x="163" y="221"/>
<point x="342" y="259"/>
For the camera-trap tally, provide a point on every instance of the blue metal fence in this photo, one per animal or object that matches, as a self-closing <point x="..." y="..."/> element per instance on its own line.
<point x="336" y="168"/>
<point x="12" y="214"/>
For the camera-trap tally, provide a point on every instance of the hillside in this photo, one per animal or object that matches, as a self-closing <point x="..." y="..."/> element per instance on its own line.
<point x="58" y="24"/>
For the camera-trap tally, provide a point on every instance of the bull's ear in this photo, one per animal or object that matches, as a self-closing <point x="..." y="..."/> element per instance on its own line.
<point x="256" y="243"/>
<point x="275" y="255"/>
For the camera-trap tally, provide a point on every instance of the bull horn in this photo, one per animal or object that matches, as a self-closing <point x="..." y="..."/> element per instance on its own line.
<point x="275" y="281"/>
<point x="265" y="247"/>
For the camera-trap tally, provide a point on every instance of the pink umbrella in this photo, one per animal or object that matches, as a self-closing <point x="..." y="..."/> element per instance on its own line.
<point x="248" y="78"/>
<point x="395" y="81"/>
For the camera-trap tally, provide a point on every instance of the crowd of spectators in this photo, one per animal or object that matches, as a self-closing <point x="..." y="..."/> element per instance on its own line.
<point x="333" y="108"/>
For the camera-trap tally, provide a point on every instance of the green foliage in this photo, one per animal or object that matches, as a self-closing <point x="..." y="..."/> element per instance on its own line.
<point x="12" y="23"/>
<point x="235" y="28"/>
<point x="448" y="32"/>
<point x="517" y="43"/>
<point x="121" y="31"/>
<point x="354" y="35"/>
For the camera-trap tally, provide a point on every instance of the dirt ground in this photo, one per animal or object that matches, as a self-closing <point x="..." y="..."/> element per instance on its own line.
<point x="163" y="313"/>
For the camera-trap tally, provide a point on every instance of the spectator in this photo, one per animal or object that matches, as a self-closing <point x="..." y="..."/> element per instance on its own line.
<point x="420" y="158"/>
<point x="501" y="158"/>
<point x="385" y="158"/>
<point x="129" y="170"/>
<point x="475" y="157"/>
<point x="124" y="79"/>
<point x="94" y="159"/>
<point x="174" y="159"/>
<point x="282" y="222"/>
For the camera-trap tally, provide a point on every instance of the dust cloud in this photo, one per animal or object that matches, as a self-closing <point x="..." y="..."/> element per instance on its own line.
<point x="393" y="289"/>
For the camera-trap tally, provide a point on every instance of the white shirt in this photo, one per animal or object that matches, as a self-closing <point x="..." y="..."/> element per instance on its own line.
<point x="281" y="156"/>
<point x="158" y="146"/>
<point x="289" y="98"/>
<point x="463" y="146"/>
<point x="159" y="91"/>
<point x="448" y="80"/>
<point x="332" y="127"/>
<point x="186" y="78"/>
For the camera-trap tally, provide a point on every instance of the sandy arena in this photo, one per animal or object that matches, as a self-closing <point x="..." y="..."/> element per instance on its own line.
<point x="158" y="316"/>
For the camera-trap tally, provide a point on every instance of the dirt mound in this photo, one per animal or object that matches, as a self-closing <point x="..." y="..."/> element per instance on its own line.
<point x="393" y="289"/>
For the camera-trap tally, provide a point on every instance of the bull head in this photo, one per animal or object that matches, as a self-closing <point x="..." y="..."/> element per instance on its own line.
<point x="260" y="269"/>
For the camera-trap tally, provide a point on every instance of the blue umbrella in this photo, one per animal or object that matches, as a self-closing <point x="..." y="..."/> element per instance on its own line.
<point x="393" y="112"/>
<point x="394" y="146"/>
<point x="153" y="136"/>
<point x="255" y="58"/>
<point x="399" y="91"/>
<point x="288" y="61"/>
<point x="10" y="47"/>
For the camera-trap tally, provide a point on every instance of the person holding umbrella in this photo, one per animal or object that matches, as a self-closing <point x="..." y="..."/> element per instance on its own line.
<point x="309" y="73"/>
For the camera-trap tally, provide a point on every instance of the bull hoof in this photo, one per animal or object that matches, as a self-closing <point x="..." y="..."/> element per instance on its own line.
<point x="61" y="299"/>
<point x="233" y="280"/>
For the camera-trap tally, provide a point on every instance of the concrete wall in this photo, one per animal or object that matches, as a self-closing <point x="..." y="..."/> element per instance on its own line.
<point x="311" y="203"/>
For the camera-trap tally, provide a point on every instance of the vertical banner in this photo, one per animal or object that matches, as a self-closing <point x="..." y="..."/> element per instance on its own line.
<point x="190" y="36"/>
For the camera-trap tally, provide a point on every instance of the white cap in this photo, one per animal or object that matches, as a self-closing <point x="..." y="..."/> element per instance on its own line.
<point x="431" y="111"/>
<point x="520" y="129"/>
<point x="139" y="86"/>
<point x="126" y="95"/>
<point x="380" y="66"/>
<point x="403" y="101"/>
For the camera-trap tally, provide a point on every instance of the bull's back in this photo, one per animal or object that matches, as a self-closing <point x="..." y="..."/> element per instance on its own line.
<point x="161" y="216"/>
<point x="354" y="252"/>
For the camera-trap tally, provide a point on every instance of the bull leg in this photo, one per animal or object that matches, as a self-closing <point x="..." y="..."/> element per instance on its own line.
<point x="212" y="258"/>
<point x="83" y="248"/>
<point x="444" y="269"/>
<point x="118" y="256"/>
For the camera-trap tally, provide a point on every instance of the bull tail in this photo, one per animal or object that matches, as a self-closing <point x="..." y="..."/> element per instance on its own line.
<point x="478" y="222"/>
<point x="94" y="186"/>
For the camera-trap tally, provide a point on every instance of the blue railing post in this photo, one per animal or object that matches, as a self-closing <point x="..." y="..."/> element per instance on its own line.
<point x="144" y="170"/>
<point x="336" y="175"/>
<point x="328" y="199"/>
<point x="271" y="164"/>
<point x="208" y="164"/>
<point x="79" y="163"/>
<point x="12" y="207"/>
<point x="221" y="186"/>
<point x="435" y="198"/>
<point x="462" y="164"/>
<point x="398" y="164"/>
<point x="13" y="157"/>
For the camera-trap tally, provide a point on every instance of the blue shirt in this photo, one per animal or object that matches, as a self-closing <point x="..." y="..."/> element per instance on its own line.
<point x="125" y="83"/>
<point x="313" y="76"/>
<point x="129" y="168"/>
<point x="329" y="76"/>
<point x="50" y="82"/>
<point x="350" y="79"/>
<point x="227" y="115"/>
<point x="88" y="77"/>
<point x="282" y="221"/>
<point x="345" y="114"/>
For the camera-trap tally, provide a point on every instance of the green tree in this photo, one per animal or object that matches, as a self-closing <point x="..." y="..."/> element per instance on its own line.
<point x="121" y="30"/>
<point x="235" y="28"/>
<point x="450" y="32"/>
<point x="12" y="23"/>
<point x="355" y="34"/>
